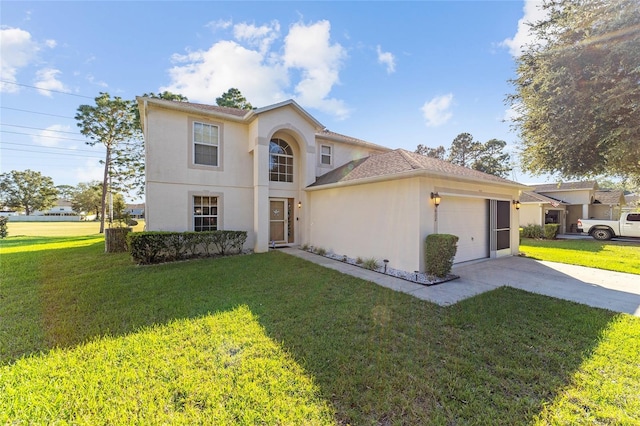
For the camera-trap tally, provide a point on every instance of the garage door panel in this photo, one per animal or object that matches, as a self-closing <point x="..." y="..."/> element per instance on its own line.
<point x="468" y="218"/>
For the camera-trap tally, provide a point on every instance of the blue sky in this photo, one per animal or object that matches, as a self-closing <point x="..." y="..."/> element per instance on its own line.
<point x="394" y="73"/>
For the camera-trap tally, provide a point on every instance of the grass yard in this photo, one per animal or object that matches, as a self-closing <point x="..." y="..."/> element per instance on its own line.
<point x="609" y="255"/>
<point x="88" y="337"/>
<point x="58" y="229"/>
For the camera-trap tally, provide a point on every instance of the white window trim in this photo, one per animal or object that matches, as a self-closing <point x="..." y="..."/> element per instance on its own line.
<point x="190" y="203"/>
<point x="191" y="140"/>
<point x="321" y="155"/>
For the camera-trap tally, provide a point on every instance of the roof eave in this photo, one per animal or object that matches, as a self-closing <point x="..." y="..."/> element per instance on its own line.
<point x="410" y="174"/>
<point x="186" y="107"/>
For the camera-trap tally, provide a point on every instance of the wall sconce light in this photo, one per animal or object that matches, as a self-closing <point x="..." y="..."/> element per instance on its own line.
<point x="436" y="198"/>
<point x="516" y="204"/>
<point x="299" y="204"/>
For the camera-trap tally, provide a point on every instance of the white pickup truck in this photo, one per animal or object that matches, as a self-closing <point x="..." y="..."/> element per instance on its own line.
<point x="627" y="226"/>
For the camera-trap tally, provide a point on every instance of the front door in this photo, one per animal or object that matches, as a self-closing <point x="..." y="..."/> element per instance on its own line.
<point x="278" y="218"/>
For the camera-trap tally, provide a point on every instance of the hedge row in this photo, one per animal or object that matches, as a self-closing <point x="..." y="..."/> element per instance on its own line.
<point x="440" y="249"/>
<point x="548" y="232"/>
<point x="156" y="247"/>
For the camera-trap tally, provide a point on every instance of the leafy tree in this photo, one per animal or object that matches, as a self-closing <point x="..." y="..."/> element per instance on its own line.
<point x="27" y="190"/>
<point x="577" y="91"/>
<point x="233" y="98"/>
<point x="464" y="151"/>
<point x="488" y="157"/>
<point x="492" y="158"/>
<point x="88" y="197"/>
<point x="111" y="122"/>
<point x="167" y="96"/>
<point x="65" y="192"/>
<point x="438" y="152"/>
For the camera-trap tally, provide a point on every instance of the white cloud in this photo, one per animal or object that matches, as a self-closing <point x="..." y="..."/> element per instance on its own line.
<point x="47" y="79"/>
<point x="220" y="24"/>
<point x="17" y="50"/>
<point x="50" y="43"/>
<point x="308" y="65"/>
<point x="91" y="79"/>
<point x="261" y="37"/>
<point x="309" y="49"/>
<point x="512" y="113"/>
<point x="533" y="12"/>
<point x="386" y="58"/>
<point x="90" y="171"/>
<point x="51" y="135"/>
<point x="202" y="76"/>
<point x="436" y="111"/>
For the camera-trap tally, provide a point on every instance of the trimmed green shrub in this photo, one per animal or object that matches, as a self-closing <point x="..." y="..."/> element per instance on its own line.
<point x="160" y="246"/>
<point x="532" y="231"/>
<point x="321" y="251"/>
<point x="551" y="231"/>
<point x="3" y="227"/>
<point x="440" y="249"/>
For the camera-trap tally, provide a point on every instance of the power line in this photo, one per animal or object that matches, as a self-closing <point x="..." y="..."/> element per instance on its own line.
<point x="48" y="147"/>
<point x="45" y="89"/>
<point x="52" y="153"/>
<point x="43" y="136"/>
<point x="38" y="128"/>
<point x="36" y="112"/>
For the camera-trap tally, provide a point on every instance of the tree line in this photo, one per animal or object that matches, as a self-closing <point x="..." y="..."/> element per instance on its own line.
<point x="488" y="157"/>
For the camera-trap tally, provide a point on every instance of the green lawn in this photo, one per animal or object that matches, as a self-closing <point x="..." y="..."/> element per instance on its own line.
<point x="58" y="229"/>
<point x="88" y="337"/>
<point x="609" y="255"/>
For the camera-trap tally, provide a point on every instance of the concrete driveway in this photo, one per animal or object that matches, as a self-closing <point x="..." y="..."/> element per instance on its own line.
<point x="615" y="291"/>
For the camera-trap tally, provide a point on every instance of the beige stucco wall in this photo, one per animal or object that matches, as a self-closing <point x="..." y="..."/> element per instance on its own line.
<point x="531" y="214"/>
<point x="571" y="197"/>
<point x="379" y="220"/>
<point x="390" y="219"/>
<point x="342" y="154"/>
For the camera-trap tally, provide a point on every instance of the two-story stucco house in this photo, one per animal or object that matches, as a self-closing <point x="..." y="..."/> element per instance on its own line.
<point x="278" y="174"/>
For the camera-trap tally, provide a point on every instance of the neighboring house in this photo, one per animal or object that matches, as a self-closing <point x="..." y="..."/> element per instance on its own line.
<point x="136" y="211"/>
<point x="566" y="202"/>
<point x="278" y="174"/>
<point x="60" y="208"/>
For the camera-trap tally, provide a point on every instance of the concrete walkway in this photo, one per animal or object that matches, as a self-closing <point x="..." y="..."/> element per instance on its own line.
<point x="615" y="291"/>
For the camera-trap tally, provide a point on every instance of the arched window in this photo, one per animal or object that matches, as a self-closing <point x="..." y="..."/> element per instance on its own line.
<point x="280" y="161"/>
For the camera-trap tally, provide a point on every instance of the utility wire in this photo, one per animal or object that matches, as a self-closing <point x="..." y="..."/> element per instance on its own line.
<point x="42" y="88"/>
<point x="51" y="153"/>
<point x="38" y="128"/>
<point x="36" y="112"/>
<point x="47" y="147"/>
<point x="43" y="136"/>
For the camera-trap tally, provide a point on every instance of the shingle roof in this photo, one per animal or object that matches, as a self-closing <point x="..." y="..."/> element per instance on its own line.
<point x="565" y="186"/>
<point x="401" y="161"/>
<point x="612" y="196"/>
<point x="214" y="108"/>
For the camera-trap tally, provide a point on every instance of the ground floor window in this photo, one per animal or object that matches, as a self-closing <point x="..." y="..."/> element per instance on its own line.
<point x="205" y="213"/>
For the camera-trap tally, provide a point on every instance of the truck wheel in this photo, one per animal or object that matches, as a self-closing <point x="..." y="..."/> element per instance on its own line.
<point x="602" y="234"/>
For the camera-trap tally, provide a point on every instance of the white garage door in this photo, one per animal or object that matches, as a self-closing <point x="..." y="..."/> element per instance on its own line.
<point x="468" y="218"/>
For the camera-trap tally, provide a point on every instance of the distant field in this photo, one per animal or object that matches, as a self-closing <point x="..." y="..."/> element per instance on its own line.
<point x="58" y="229"/>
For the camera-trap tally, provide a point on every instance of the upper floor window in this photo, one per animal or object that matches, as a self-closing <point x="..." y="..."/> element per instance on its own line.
<point x="205" y="144"/>
<point x="280" y="161"/>
<point x="326" y="156"/>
